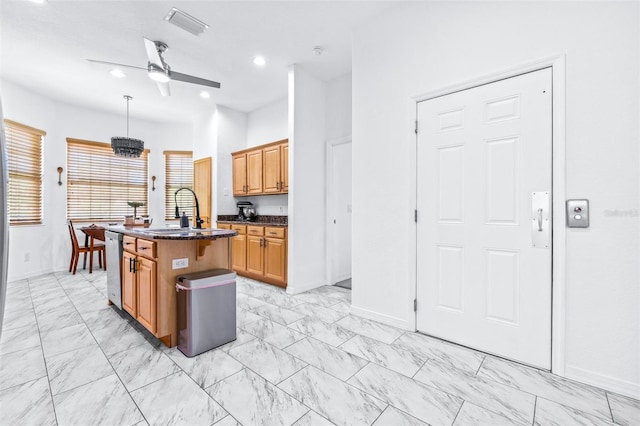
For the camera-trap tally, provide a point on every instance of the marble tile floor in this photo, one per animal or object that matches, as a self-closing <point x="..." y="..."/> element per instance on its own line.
<point x="66" y="358"/>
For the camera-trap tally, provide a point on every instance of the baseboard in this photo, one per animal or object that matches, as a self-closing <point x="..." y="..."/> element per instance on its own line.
<point x="622" y="387"/>
<point x="30" y="274"/>
<point x="302" y="287"/>
<point x="385" y="319"/>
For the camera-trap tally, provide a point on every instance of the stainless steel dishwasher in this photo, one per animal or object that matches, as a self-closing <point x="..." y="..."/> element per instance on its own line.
<point x="113" y="240"/>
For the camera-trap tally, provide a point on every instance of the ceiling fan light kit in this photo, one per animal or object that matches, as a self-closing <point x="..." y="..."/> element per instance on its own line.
<point x="126" y="146"/>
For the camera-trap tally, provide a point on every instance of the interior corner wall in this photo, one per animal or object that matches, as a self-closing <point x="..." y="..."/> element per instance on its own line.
<point x="231" y="134"/>
<point x="421" y="47"/>
<point x="306" y="231"/>
<point x="48" y="244"/>
<point x="338" y="108"/>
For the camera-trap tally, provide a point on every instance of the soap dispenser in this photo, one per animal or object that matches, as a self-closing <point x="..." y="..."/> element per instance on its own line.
<point x="184" y="221"/>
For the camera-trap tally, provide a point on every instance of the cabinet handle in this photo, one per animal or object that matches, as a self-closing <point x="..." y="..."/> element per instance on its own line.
<point x="134" y="265"/>
<point x="130" y="267"/>
<point x="281" y="186"/>
<point x="278" y="186"/>
<point x="260" y="242"/>
<point x="272" y="233"/>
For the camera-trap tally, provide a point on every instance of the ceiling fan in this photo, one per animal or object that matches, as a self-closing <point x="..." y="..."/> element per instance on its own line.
<point x="159" y="71"/>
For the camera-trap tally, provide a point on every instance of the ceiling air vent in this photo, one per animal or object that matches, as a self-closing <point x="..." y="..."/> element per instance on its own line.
<point x="185" y="21"/>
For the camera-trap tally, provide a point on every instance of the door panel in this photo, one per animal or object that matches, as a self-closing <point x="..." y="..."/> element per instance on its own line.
<point x="147" y="293"/>
<point x="481" y="154"/>
<point x="239" y="174"/>
<point x="254" y="172"/>
<point x="254" y="255"/>
<point x="340" y="181"/>
<point x="202" y="188"/>
<point x="271" y="168"/>
<point x="129" y="284"/>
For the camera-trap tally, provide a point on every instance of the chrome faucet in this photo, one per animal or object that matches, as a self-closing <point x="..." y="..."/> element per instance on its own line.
<point x="175" y="198"/>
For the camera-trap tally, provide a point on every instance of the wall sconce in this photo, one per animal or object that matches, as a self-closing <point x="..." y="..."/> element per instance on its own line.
<point x="60" y="169"/>
<point x="153" y="183"/>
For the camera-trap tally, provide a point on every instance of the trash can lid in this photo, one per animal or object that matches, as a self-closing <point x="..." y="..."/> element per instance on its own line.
<point x="197" y="279"/>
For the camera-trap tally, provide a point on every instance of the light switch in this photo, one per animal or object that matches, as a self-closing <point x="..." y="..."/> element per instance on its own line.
<point x="577" y="213"/>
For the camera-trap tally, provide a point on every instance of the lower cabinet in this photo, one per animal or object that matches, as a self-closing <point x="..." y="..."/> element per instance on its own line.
<point x="259" y="252"/>
<point x="139" y="284"/>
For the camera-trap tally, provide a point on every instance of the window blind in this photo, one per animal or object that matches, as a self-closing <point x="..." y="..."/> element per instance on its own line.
<point x="178" y="171"/>
<point x="24" y="164"/>
<point x="99" y="184"/>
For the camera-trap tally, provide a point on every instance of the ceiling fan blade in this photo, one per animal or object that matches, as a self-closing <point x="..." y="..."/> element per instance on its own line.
<point x="152" y="53"/>
<point x="164" y="88"/>
<point x="191" y="79"/>
<point x="115" y="64"/>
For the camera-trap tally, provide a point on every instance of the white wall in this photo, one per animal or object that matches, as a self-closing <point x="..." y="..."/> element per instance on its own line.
<point x="232" y="135"/>
<point x="48" y="244"/>
<point x="422" y="47"/>
<point x="268" y="124"/>
<point x="306" y="239"/>
<point x="338" y="108"/>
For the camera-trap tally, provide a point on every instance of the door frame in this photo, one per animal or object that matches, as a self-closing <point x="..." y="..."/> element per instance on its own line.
<point x="329" y="205"/>
<point x="558" y="188"/>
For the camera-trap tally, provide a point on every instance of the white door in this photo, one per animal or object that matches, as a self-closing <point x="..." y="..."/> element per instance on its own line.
<point x="482" y="154"/>
<point x="340" y="205"/>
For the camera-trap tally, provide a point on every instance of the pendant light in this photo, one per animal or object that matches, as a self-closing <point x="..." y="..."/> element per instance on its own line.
<point x="126" y="146"/>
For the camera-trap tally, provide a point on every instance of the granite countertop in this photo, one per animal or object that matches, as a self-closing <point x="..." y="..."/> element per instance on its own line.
<point x="173" y="233"/>
<point x="280" y="221"/>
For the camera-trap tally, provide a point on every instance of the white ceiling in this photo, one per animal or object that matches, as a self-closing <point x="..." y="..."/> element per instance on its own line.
<point x="44" y="48"/>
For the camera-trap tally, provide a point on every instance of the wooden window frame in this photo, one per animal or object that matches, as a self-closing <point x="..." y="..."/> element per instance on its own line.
<point x="24" y="165"/>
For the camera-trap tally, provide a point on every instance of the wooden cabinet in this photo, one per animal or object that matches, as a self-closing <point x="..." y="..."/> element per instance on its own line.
<point x="275" y="254"/>
<point x="260" y="252"/>
<point x="247" y="173"/>
<point x="261" y="170"/>
<point x="239" y="248"/>
<point x="139" y="281"/>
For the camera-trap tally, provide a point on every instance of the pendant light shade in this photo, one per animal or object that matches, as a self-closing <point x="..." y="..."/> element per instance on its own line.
<point x="126" y="146"/>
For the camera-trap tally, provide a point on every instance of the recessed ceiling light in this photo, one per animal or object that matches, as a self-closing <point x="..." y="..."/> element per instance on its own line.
<point x="117" y="73"/>
<point x="38" y="1"/>
<point x="259" y="61"/>
<point x="205" y="95"/>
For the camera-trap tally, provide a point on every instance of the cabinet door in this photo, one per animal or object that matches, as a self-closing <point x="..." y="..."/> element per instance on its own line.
<point x="271" y="169"/>
<point x="254" y="172"/>
<point x="284" y="165"/>
<point x="128" y="284"/>
<point x="275" y="254"/>
<point x="239" y="253"/>
<point x="254" y="254"/>
<point x="239" y="174"/>
<point x="147" y="293"/>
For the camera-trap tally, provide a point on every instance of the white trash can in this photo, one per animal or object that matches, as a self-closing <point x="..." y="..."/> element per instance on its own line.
<point x="206" y="310"/>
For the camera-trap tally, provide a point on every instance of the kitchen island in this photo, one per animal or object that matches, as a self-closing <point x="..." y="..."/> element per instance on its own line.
<point x="152" y="260"/>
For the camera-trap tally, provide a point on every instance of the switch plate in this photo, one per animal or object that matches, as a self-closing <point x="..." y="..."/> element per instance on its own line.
<point x="180" y="263"/>
<point x="578" y="213"/>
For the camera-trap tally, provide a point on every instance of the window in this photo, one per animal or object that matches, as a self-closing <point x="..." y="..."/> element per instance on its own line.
<point x="99" y="184"/>
<point x="24" y="158"/>
<point x="178" y="171"/>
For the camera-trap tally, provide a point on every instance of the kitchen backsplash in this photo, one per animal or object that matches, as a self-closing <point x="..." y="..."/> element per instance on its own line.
<point x="279" y="220"/>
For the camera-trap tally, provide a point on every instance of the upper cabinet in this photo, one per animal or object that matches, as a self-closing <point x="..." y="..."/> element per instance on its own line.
<point x="247" y="173"/>
<point x="262" y="169"/>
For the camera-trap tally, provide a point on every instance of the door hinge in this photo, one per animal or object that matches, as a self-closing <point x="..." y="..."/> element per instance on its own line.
<point x="415" y="215"/>
<point x="415" y="305"/>
<point x="416" y="127"/>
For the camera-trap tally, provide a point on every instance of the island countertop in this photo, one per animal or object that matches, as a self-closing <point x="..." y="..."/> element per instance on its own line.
<point x="173" y="233"/>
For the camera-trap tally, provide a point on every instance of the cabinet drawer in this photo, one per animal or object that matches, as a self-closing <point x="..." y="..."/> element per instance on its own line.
<point x="255" y="230"/>
<point x="274" y="232"/>
<point x="129" y="244"/>
<point x="223" y="225"/>
<point x="146" y="248"/>
<point x="240" y="229"/>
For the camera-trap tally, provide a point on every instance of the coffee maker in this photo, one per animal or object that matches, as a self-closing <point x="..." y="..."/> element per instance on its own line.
<point x="245" y="211"/>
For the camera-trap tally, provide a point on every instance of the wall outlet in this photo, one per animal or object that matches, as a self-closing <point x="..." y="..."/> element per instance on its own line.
<point x="225" y="192"/>
<point x="180" y="263"/>
<point x="27" y="256"/>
